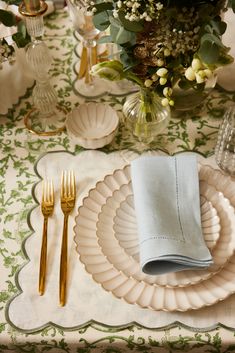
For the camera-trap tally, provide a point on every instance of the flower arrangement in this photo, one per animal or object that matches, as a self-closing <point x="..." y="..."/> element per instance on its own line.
<point x="163" y="43"/>
<point x="20" y="37"/>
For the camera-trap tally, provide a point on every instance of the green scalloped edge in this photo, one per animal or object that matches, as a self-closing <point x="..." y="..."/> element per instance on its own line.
<point x="99" y="326"/>
<point x="20" y="98"/>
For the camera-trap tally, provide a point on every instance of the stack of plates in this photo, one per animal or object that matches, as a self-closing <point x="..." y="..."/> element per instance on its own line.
<point x="107" y="241"/>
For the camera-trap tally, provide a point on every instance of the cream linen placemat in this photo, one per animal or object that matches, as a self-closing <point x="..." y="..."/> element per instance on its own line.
<point x="87" y="300"/>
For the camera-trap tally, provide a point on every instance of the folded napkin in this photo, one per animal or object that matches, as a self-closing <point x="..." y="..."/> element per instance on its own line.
<point x="167" y="206"/>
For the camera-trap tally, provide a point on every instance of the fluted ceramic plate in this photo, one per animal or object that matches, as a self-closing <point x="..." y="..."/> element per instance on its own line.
<point x="133" y="291"/>
<point x="117" y="236"/>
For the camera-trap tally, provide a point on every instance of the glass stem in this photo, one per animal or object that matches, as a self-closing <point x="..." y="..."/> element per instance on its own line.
<point x="89" y="44"/>
<point x="39" y="60"/>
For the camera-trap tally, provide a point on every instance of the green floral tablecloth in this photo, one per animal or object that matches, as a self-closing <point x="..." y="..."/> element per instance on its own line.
<point x="19" y="150"/>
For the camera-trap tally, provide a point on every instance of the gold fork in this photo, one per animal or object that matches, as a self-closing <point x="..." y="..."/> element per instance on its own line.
<point x="68" y="195"/>
<point x="47" y="206"/>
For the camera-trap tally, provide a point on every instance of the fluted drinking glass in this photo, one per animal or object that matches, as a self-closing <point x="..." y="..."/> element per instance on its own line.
<point x="225" y="146"/>
<point x="82" y="20"/>
<point x="46" y="118"/>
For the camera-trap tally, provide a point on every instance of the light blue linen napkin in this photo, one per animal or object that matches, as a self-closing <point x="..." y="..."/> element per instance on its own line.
<point x="167" y="206"/>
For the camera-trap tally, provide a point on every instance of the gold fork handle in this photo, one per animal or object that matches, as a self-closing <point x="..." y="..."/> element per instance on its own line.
<point x="43" y="259"/>
<point x="63" y="262"/>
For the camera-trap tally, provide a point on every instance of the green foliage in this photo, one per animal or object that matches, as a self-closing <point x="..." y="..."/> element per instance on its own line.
<point x="218" y="26"/>
<point x="7" y="18"/>
<point x="132" y="26"/>
<point x="211" y="38"/>
<point x="212" y="51"/>
<point x="209" y="52"/>
<point x="125" y="33"/>
<point x="20" y="40"/>
<point x="12" y="2"/>
<point x="231" y="3"/>
<point x="128" y="61"/>
<point x="103" y="7"/>
<point x="119" y="34"/>
<point x="121" y="30"/>
<point x="101" y="20"/>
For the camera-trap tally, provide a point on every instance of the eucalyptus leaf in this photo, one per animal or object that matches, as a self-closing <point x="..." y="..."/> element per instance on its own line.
<point x="103" y="7"/>
<point x="209" y="52"/>
<point x="115" y="22"/>
<point x="22" y="29"/>
<point x="218" y="26"/>
<point x="7" y="18"/>
<point x="225" y="59"/>
<point x="127" y="61"/>
<point x="120" y="35"/>
<point x="20" y="40"/>
<point x="208" y="28"/>
<point x="113" y="32"/>
<point x="101" y="20"/>
<point x="213" y="39"/>
<point x="132" y="26"/>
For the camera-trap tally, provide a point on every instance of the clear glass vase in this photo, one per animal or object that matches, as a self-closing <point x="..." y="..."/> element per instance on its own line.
<point x="145" y="115"/>
<point x="188" y="99"/>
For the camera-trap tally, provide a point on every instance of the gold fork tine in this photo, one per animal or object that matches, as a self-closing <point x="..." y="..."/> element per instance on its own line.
<point x="67" y="204"/>
<point x="62" y="184"/>
<point x="47" y="207"/>
<point x="43" y="191"/>
<point x="72" y="183"/>
<point x="52" y="192"/>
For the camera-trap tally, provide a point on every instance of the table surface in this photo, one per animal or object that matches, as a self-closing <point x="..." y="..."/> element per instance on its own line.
<point x="196" y="131"/>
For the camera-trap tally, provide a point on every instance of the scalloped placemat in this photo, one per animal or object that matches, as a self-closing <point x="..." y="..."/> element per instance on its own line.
<point x="86" y="299"/>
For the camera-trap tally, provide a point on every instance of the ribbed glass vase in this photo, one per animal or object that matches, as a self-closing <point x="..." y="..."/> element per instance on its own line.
<point x="145" y="115"/>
